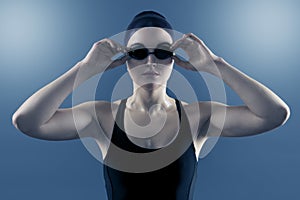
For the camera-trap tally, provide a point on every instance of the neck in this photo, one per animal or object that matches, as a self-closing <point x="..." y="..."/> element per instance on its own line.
<point x="150" y="97"/>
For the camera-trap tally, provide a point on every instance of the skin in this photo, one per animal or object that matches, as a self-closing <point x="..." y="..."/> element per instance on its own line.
<point x="40" y="116"/>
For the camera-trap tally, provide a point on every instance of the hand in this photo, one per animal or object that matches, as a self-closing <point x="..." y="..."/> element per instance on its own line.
<point x="200" y="56"/>
<point x="99" y="58"/>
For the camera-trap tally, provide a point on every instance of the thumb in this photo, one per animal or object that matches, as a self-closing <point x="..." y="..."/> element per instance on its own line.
<point x="117" y="62"/>
<point x="184" y="64"/>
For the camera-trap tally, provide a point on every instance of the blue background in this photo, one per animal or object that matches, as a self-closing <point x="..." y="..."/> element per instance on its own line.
<point x="40" y="40"/>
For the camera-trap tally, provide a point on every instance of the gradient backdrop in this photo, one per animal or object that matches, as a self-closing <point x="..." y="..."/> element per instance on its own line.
<point x="40" y="40"/>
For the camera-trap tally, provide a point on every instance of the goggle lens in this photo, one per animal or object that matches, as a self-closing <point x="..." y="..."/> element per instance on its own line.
<point x="141" y="54"/>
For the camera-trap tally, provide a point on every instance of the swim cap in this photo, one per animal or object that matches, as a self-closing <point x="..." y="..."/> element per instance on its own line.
<point x="147" y="19"/>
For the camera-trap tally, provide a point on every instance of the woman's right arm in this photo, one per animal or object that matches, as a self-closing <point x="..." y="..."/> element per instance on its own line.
<point x="40" y="116"/>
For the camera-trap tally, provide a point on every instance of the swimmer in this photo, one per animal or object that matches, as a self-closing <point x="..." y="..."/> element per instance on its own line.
<point x="149" y="55"/>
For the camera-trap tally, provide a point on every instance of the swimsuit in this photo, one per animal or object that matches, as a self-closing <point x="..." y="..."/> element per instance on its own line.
<point x="172" y="182"/>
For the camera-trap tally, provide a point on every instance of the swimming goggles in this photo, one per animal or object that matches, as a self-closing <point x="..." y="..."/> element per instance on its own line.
<point x="141" y="54"/>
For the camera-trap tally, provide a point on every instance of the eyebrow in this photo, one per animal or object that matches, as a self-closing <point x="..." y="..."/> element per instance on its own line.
<point x="163" y="45"/>
<point x="160" y="45"/>
<point x="137" y="45"/>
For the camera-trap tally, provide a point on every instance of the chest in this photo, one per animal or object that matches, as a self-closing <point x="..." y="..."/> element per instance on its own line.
<point x="151" y="130"/>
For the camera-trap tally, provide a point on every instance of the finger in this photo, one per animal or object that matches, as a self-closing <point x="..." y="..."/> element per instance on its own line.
<point x="113" y="46"/>
<point x="178" y="42"/>
<point x="104" y="42"/>
<point x="185" y="42"/>
<point x="102" y="46"/>
<point x="118" y="62"/>
<point x="118" y="47"/>
<point x="195" y="38"/>
<point x="203" y="46"/>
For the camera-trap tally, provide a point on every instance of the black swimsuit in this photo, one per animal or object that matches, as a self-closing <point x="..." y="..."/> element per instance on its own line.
<point x="172" y="182"/>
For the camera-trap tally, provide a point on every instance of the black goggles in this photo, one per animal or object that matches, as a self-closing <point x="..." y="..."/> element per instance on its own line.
<point x="141" y="54"/>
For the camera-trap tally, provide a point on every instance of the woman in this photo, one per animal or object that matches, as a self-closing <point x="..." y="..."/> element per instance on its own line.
<point x="149" y="57"/>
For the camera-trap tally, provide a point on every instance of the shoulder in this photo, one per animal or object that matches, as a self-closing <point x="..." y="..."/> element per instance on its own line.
<point x="103" y="114"/>
<point x="106" y="109"/>
<point x="106" y="112"/>
<point x="97" y="107"/>
<point x="100" y="110"/>
<point x="195" y="108"/>
<point x="106" y="106"/>
<point x="198" y="114"/>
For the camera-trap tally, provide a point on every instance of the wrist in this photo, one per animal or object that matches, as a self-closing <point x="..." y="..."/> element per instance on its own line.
<point x="84" y="70"/>
<point x="214" y="67"/>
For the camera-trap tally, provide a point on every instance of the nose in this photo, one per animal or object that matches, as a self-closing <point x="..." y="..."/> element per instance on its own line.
<point x="151" y="58"/>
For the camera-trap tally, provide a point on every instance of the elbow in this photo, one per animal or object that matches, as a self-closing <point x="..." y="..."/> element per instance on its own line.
<point x="285" y="114"/>
<point x="16" y="121"/>
<point x="281" y="115"/>
<point x="21" y="123"/>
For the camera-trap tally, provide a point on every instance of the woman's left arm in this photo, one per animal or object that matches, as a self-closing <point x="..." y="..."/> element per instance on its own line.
<point x="263" y="109"/>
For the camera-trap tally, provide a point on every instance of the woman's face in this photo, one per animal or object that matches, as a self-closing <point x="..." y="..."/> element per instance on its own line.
<point x="150" y="70"/>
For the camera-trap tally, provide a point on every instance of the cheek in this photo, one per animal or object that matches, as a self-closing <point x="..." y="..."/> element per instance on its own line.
<point x="136" y="67"/>
<point x="168" y="62"/>
<point x="165" y="70"/>
<point x="131" y="63"/>
<point x="166" y="67"/>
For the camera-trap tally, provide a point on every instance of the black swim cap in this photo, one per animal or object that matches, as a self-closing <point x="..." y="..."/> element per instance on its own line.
<point x="147" y="19"/>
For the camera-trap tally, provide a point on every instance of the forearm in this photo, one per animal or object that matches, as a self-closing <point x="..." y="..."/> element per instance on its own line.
<point x="41" y="106"/>
<point x="258" y="98"/>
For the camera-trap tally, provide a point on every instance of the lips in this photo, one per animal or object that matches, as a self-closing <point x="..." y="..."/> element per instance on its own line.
<point x="151" y="73"/>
